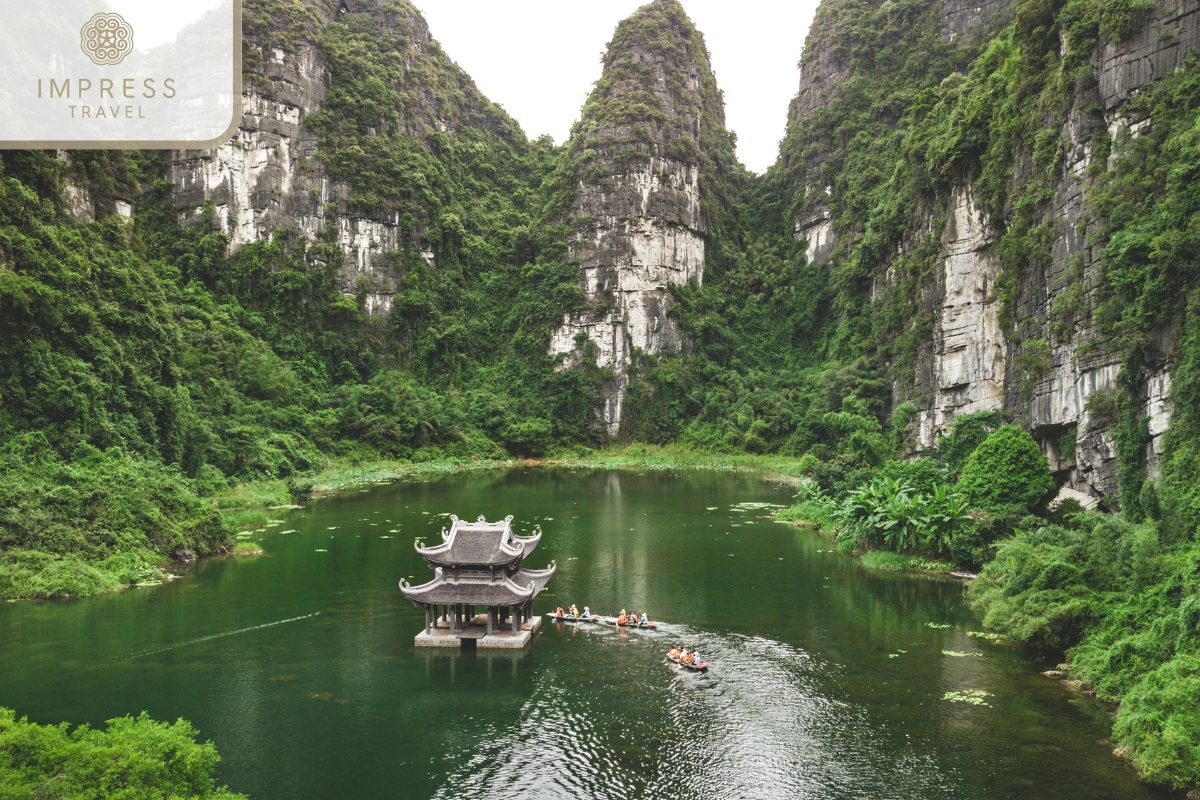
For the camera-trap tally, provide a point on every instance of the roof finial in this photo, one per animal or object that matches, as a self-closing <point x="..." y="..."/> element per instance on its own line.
<point x="482" y="518"/>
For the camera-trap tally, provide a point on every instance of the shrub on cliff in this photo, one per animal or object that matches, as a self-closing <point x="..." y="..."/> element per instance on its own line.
<point x="970" y="431"/>
<point x="1007" y="469"/>
<point x="132" y="758"/>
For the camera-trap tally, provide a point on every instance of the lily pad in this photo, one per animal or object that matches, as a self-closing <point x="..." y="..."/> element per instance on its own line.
<point x="971" y="696"/>
<point x="935" y="625"/>
<point x="320" y="551"/>
<point x="984" y="635"/>
<point x="958" y="654"/>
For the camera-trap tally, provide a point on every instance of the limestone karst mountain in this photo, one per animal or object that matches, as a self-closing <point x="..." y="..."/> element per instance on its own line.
<point x="653" y="123"/>
<point x="984" y="334"/>
<point x="980" y="211"/>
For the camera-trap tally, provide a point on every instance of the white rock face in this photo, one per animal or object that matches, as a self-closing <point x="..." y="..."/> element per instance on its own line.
<point x="267" y="178"/>
<point x="626" y="269"/>
<point x="817" y="228"/>
<point x="1158" y="409"/>
<point x="969" y="352"/>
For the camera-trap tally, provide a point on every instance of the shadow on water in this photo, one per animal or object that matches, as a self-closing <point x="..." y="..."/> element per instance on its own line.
<point x="828" y="680"/>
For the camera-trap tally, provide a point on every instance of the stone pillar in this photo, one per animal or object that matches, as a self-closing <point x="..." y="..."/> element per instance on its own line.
<point x="490" y="612"/>
<point x="428" y="618"/>
<point x="516" y="621"/>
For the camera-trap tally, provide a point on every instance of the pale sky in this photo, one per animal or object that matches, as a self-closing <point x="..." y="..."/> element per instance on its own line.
<point x="539" y="58"/>
<point x="155" y="22"/>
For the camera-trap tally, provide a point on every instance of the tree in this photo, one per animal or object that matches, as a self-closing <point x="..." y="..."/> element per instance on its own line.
<point x="133" y="758"/>
<point x="1007" y="469"/>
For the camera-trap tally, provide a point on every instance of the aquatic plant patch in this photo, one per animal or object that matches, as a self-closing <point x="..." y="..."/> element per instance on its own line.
<point x="973" y="697"/>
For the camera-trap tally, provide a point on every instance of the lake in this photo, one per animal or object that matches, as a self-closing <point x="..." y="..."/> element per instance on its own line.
<point x="828" y="680"/>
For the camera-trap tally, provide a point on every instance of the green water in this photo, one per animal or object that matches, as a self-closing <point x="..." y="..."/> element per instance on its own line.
<point x="300" y="665"/>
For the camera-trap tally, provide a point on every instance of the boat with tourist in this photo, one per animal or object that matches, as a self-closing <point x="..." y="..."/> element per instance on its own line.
<point x="633" y="621"/>
<point x="688" y="660"/>
<point x="573" y="614"/>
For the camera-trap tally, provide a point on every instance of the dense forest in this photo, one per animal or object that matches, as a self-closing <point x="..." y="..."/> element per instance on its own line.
<point x="153" y="361"/>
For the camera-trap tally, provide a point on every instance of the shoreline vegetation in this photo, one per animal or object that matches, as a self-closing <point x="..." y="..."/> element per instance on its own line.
<point x="133" y="757"/>
<point x="152" y="376"/>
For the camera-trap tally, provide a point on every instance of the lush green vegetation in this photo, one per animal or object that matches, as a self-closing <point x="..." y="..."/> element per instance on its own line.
<point x="146" y="370"/>
<point x="131" y="758"/>
<point x="157" y="391"/>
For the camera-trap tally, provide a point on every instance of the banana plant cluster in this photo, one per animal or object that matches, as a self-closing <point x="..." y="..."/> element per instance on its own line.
<point x="890" y="513"/>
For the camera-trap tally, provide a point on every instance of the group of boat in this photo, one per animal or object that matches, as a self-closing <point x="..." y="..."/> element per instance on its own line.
<point x="689" y="660"/>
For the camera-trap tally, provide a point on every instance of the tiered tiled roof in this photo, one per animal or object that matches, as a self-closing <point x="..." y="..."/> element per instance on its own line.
<point x="479" y="544"/>
<point x="479" y="563"/>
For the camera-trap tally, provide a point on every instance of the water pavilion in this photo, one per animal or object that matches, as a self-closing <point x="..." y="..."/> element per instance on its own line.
<point x="478" y="565"/>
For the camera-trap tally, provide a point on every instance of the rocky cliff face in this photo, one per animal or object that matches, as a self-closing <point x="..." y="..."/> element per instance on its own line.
<point x="639" y="226"/>
<point x="1047" y="367"/>
<point x="271" y="175"/>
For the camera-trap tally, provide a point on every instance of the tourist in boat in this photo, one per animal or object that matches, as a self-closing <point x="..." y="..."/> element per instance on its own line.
<point x="645" y="620"/>
<point x="574" y="610"/>
<point x="686" y="658"/>
<point x="675" y="653"/>
<point x="696" y="660"/>
<point x="623" y="619"/>
<point x="587" y="613"/>
<point x="560" y="613"/>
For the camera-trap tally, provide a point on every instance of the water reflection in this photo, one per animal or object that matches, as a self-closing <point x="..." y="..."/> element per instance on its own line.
<point x="827" y="680"/>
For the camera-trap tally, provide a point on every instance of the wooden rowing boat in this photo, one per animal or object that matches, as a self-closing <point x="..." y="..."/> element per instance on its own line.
<point x="701" y="667"/>
<point x="569" y="618"/>
<point x="637" y="626"/>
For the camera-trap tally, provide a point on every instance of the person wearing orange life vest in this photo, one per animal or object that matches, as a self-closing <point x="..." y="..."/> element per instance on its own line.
<point x="559" y="613"/>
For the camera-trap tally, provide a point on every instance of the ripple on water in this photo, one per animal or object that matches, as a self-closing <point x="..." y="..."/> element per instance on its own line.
<point x="621" y="722"/>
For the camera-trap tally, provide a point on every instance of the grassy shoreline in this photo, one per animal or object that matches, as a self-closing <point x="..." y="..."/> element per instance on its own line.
<point x="252" y="503"/>
<point x="871" y="559"/>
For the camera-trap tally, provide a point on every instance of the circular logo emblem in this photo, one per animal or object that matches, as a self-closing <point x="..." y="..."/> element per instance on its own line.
<point x="106" y="39"/>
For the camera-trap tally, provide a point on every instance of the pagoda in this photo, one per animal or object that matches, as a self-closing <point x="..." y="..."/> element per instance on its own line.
<point x="478" y="565"/>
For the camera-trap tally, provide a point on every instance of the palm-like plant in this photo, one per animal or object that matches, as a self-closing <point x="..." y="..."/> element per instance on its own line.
<point x="889" y="513"/>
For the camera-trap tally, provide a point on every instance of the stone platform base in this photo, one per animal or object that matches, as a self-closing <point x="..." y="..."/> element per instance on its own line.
<point x="475" y="635"/>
